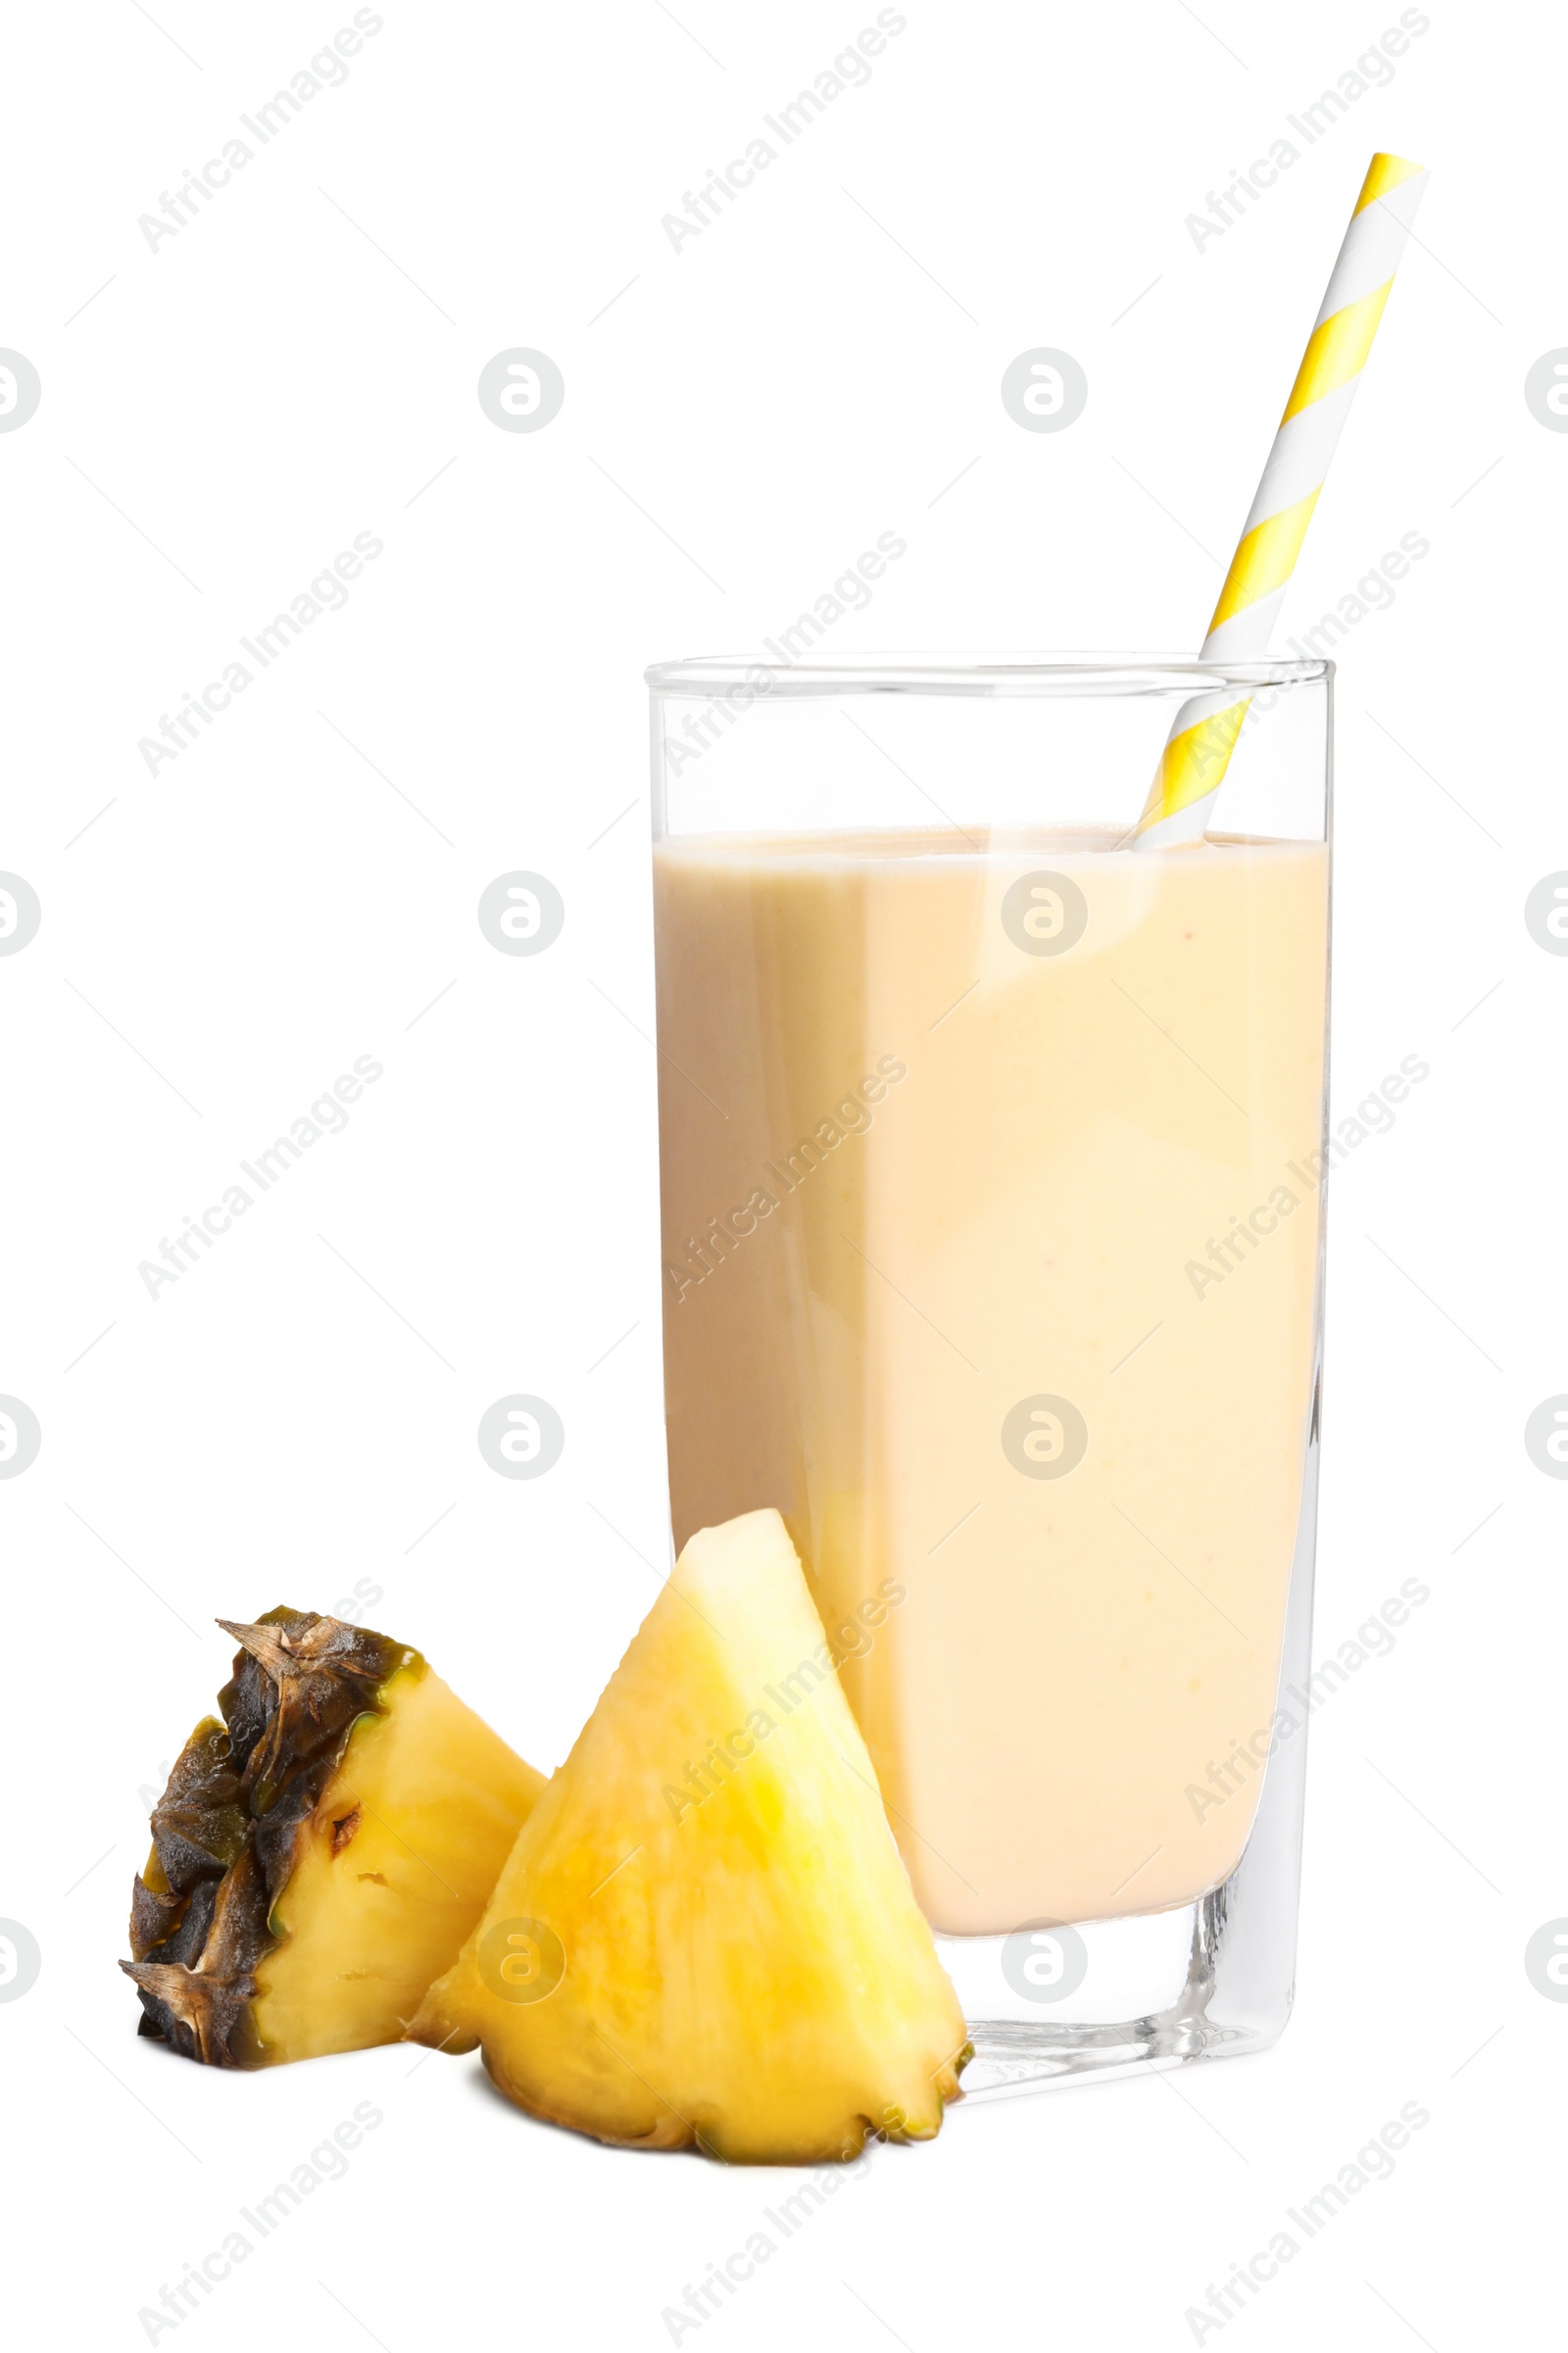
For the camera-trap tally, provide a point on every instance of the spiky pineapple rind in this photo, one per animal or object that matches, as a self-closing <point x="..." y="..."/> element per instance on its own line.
<point x="225" y="1832"/>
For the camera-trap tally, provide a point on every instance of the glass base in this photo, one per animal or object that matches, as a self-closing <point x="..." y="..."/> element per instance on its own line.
<point x="1166" y="1986"/>
<point x="1208" y="1979"/>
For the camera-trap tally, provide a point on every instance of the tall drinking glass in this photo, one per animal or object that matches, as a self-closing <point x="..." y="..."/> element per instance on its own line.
<point x="992" y="1162"/>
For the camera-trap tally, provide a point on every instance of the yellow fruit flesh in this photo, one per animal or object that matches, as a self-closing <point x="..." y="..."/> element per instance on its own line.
<point x="754" y="1974"/>
<point x="440" y="1799"/>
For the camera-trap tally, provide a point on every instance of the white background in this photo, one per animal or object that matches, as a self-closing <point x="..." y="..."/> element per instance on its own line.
<point x="297" y="1412"/>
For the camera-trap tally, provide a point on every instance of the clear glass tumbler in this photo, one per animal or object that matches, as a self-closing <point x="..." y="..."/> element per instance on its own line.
<point x="992" y="1157"/>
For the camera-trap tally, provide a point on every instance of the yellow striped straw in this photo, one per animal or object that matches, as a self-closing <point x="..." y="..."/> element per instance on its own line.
<point x="1204" y="736"/>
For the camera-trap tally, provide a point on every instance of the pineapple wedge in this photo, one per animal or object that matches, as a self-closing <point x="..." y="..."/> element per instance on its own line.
<point x="319" y="1854"/>
<point x="704" y="1934"/>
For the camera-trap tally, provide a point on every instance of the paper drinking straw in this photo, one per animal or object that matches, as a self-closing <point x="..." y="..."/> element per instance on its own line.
<point x="1204" y="735"/>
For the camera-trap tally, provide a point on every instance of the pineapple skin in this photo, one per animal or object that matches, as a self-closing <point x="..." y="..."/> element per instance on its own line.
<point x="321" y="1848"/>
<point x="746" y="1971"/>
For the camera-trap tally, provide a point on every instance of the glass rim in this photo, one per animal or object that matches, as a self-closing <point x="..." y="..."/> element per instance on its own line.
<point x="979" y="675"/>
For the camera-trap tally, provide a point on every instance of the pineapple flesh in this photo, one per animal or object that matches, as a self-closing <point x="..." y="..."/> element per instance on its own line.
<point x="704" y="1934"/>
<point x="322" y="1851"/>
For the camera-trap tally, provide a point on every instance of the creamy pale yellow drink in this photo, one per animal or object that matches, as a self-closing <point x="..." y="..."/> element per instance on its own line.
<point x="991" y="1241"/>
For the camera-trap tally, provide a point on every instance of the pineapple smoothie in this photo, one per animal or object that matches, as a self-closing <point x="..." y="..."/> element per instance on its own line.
<point x="991" y="1240"/>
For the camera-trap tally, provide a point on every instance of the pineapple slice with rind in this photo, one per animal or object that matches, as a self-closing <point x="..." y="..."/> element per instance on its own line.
<point x="705" y="1933"/>
<point x="322" y="1851"/>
